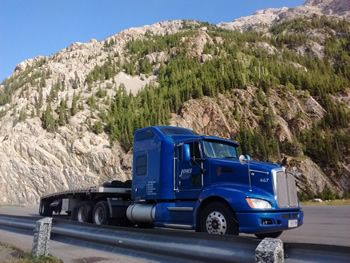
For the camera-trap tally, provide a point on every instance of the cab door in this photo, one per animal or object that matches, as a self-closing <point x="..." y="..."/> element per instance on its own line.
<point x="189" y="175"/>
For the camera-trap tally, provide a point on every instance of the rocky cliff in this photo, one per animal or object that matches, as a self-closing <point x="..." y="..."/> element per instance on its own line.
<point x="66" y="120"/>
<point x="34" y="160"/>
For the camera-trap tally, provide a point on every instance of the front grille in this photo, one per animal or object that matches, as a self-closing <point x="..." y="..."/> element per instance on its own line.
<point x="285" y="189"/>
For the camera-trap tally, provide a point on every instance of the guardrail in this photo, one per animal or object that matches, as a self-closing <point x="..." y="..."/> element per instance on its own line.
<point x="182" y="245"/>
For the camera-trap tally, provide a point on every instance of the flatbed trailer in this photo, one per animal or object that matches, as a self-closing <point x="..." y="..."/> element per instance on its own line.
<point x="104" y="202"/>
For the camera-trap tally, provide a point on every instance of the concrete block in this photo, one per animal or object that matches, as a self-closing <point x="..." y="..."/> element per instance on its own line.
<point x="42" y="235"/>
<point x="269" y="250"/>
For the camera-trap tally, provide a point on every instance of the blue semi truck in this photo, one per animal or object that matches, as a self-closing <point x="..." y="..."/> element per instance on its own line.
<point x="188" y="181"/>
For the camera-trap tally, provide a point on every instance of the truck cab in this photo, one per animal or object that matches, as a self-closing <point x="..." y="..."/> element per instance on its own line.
<point x="190" y="181"/>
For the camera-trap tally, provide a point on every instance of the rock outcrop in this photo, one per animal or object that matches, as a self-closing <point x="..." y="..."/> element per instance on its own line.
<point x="214" y="116"/>
<point x="35" y="162"/>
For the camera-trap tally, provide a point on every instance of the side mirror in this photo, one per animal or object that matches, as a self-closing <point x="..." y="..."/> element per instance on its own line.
<point x="244" y="159"/>
<point x="186" y="154"/>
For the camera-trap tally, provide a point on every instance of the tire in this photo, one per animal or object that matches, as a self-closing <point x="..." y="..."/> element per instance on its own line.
<point x="82" y="212"/>
<point x="272" y="235"/>
<point x="218" y="219"/>
<point x="100" y="214"/>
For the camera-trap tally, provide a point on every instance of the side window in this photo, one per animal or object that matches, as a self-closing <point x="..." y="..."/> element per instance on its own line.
<point x="141" y="165"/>
<point x="194" y="149"/>
<point x="194" y="152"/>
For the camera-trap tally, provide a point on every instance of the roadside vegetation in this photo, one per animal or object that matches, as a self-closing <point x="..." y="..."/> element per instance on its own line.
<point x="11" y="254"/>
<point x="325" y="197"/>
<point x="335" y="202"/>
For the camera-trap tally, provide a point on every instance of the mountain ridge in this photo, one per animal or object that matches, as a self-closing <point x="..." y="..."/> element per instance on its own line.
<point x="66" y="120"/>
<point x="265" y="18"/>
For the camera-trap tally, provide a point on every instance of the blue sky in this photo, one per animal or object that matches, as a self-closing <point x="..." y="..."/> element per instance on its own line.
<point x="29" y="28"/>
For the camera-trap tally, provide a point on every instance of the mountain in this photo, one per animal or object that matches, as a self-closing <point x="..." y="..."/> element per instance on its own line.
<point x="67" y="120"/>
<point x="263" y="19"/>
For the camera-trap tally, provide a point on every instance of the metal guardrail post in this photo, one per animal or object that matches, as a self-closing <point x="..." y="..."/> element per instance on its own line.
<point x="269" y="250"/>
<point x="42" y="235"/>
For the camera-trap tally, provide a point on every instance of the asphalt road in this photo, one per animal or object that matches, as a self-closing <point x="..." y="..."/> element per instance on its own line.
<point x="322" y="225"/>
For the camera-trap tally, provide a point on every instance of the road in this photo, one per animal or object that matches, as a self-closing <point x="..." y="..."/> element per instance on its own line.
<point x="322" y="225"/>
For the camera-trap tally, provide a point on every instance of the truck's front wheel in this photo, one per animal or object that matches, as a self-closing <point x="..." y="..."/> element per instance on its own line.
<point x="218" y="219"/>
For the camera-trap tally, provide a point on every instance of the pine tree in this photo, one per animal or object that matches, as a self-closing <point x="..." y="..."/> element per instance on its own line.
<point x="97" y="128"/>
<point x="74" y="108"/>
<point x="22" y="115"/>
<point x="48" y="121"/>
<point x="62" y="113"/>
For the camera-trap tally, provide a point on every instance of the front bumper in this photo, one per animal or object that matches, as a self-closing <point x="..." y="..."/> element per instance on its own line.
<point x="268" y="222"/>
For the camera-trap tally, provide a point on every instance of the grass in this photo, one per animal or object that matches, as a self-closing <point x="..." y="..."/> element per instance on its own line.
<point x="12" y="254"/>
<point x="335" y="202"/>
<point x="29" y="259"/>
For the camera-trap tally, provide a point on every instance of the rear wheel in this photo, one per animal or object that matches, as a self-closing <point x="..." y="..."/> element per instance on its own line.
<point x="83" y="212"/>
<point x="218" y="219"/>
<point x="100" y="214"/>
<point x="272" y="235"/>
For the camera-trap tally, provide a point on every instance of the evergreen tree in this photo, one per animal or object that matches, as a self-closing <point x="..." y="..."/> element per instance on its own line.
<point x="74" y="108"/>
<point x="62" y="113"/>
<point x="48" y="121"/>
<point x="22" y="115"/>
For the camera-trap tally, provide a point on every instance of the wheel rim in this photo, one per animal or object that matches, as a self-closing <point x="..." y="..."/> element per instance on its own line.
<point x="99" y="216"/>
<point x="216" y="223"/>
<point x="82" y="214"/>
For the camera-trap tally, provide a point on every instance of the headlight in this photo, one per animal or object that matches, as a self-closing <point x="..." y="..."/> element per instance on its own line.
<point x="258" y="203"/>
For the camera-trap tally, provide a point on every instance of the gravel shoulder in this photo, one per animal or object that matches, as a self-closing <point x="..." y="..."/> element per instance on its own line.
<point x="9" y="253"/>
<point x="68" y="253"/>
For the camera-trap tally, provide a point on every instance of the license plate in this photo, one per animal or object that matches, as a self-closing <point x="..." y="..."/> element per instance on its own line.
<point x="292" y="223"/>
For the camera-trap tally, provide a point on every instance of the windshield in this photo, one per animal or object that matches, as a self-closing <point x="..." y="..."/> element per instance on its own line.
<point x="216" y="149"/>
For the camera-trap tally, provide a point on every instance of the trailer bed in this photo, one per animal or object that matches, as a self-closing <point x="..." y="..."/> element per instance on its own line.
<point x="89" y="190"/>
